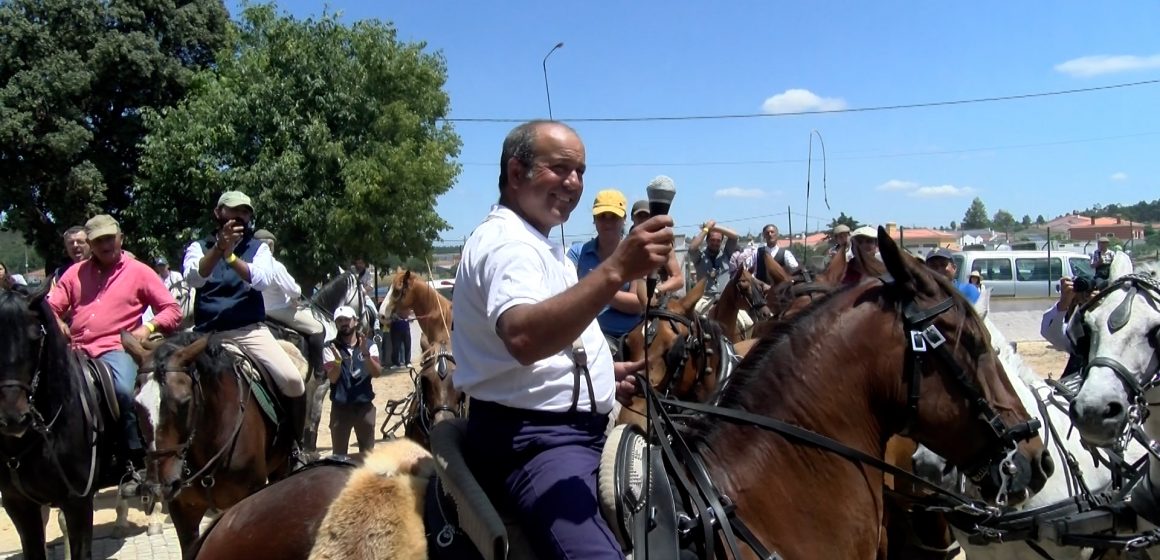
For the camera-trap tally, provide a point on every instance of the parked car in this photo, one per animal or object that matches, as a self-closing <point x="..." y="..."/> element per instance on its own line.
<point x="445" y="287"/>
<point x="1022" y="274"/>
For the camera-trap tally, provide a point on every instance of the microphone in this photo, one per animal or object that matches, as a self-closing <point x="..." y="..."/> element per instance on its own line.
<point x="660" y="197"/>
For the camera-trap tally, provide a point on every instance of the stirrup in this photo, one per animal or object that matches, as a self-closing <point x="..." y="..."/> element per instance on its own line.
<point x="298" y="458"/>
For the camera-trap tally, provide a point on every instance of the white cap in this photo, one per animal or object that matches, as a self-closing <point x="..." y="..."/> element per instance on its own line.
<point x="345" y="311"/>
<point x="865" y="231"/>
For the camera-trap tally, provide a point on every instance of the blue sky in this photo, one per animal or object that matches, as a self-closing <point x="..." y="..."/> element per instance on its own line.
<point x="651" y="58"/>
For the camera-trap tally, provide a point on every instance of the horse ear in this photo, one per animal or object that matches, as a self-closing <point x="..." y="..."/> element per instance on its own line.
<point x="182" y="357"/>
<point x="689" y="302"/>
<point x="138" y="352"/>
<point x="897" y="264"/>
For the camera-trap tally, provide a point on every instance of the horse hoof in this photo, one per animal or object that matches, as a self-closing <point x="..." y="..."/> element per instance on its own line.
<point x="153" y="530"/>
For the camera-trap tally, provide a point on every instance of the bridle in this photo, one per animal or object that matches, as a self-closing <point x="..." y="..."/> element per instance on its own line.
<point x="697" y="340"/>
<point x="715" y="516"/>
<point x="30" y="388"/>
<point x="439" y="360"/>
<point x="752" y="297"/>
<point x="1135" y="382"/>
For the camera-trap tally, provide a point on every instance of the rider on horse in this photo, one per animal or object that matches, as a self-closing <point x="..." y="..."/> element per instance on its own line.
<point x="100" y="297"/>
<point x="531" y="355"/>
<point x="230" y="270"/>
<point x="285" y="305"/>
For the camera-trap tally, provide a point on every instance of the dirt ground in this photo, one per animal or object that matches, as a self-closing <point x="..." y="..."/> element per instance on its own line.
<point x="393" y="385"/>
<point x="1044" y="359"/>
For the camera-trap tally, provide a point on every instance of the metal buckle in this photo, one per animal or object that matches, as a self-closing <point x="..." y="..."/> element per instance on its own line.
<point x="933" y="336"/>
<point x="917" y="341"/>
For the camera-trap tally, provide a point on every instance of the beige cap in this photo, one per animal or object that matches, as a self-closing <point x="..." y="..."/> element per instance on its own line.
<point x="865" y="231"/>
<point x="841" y="228"/>
<point x="233" y="199"/>
<point x="100" y="226"/>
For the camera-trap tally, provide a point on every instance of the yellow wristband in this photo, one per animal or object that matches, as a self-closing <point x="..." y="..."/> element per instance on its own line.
<point x="231" y="258"/>
<point x="704" y="230"/>
<point x="150" y="326"/>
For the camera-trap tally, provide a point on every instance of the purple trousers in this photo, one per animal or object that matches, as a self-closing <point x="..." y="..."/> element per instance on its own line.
<point x="542" y="467"/>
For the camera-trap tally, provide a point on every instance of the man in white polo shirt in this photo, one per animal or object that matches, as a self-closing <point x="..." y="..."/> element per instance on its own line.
<point x="530" y="352"/>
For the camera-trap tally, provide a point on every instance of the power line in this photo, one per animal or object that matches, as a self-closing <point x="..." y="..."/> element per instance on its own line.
<point x="852" y="157"/>
<point x="824" y="111"/>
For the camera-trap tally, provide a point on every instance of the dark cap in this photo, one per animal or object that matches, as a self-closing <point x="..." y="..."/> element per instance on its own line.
<point x="159" y="261"/>
<point x="640" y="206"/>
<point x="940" y="253"/>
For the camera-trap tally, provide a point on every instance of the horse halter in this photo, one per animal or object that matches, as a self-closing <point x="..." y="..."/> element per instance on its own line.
<point x="1135" y="383"/>
<point x="696" y="341"/>
<point x="1008" y="471"/>
<point x="426" y="414"/>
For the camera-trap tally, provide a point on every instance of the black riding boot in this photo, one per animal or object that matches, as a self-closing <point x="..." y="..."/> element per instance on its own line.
<point x="296" y="410"/>
<point x="314" y="347"/>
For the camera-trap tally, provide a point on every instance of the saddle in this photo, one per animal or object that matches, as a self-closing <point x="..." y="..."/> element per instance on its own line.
<point x="462" y="522"/>
<point x="258" y="378"/>
<point x="99" y="392"/>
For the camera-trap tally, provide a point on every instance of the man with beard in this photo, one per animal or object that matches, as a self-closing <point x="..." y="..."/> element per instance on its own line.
<point x="351" y="363"/>
<point x="230" y="269"/>
<point x="529" y="349"/>
<point x="107" y="294"/>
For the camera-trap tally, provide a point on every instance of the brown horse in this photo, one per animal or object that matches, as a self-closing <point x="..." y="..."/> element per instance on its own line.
<point x="741" y="293"/>
<point x="408" y="292"/>
<point x="803" y="501"/>
<point x="432" y="400"/>
<point x="208" y="443"/>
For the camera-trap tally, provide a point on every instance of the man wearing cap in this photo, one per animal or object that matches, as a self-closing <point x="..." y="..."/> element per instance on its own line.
<point x="1102" y="258"/>
<point x="624" y="311"/>
<point x="530" y="352"/>
<point x="284" y="304"/>
<point x="230" y="270"/>
<point x="105" y="295"/>
<point x="941" y="261"/>
<point x="780" y="255"/>
<point x="350" y="364"/>
<point x="168" y="277"/>
<point x="712" y="263"/>
<point x="674" y="280"/>
<point x="841" y="242"/>
<point x="863" y="240"/>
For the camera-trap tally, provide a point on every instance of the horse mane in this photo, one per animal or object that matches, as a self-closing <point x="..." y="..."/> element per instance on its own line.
<point x="214" y="359"/>
<point x="333" y="293"/>
<point x="17" y="314"/>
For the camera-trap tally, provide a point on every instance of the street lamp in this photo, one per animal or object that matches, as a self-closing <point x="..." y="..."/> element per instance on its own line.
<point x="548" y="92"/>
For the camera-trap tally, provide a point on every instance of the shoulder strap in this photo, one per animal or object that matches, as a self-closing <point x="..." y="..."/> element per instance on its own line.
<point x="580" y="369"/>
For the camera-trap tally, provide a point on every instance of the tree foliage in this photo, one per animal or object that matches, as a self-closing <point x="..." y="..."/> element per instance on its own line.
<point x="1003" y="220"/>
<point x="1025" y="222"/>
<point x="954" y="225"/>
<point x="976" y="216"/>
<point x="1142" y="211"/>
<point x="1040" y="220"/>
<point x="75" y="77"/>
<point x="333" y="131"/>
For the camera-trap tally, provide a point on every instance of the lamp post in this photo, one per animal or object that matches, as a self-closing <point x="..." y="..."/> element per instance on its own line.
<point x="547" y="91"/>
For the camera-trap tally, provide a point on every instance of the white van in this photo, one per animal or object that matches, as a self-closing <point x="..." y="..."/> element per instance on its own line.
<point x="1022" y="274"/>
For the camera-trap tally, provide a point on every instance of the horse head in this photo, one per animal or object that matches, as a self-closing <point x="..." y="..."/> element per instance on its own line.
<point x="683" y="357"/>
<point x="960" y="387"/>
<point x="437" y="399"/>
<point x="166" y="401"/>
<point x="29" y="339"/>
<point x="1118" y="333"/>
<point x="400" y="295"/>
<point x="749" y="294"/>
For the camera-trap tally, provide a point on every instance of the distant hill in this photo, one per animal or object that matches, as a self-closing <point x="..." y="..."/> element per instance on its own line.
<point x="1142" y="211"/>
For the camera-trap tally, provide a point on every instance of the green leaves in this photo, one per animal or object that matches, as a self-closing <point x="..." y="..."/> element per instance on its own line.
<point x="333" y="130"/>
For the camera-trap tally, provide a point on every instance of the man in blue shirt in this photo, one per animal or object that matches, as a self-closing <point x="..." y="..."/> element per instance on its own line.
<point x="624" y="311"/>
<point x="940" y="262"/>
<point x="351" y="363"/>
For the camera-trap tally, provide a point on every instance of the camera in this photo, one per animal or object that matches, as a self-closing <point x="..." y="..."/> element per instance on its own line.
<point x="1084" y="283"/>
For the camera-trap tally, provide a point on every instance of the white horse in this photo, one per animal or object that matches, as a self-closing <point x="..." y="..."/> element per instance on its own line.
<point x="1060" y="442"/>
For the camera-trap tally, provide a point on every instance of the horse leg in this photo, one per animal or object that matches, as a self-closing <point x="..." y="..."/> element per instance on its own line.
<point x="121" y="525"/>
<point x="78" y="514"/>
<point x="29" y="521"/>
<point x="186" y="517"/>
<point x="62" y="522"/>
<point x="156" y="520"/>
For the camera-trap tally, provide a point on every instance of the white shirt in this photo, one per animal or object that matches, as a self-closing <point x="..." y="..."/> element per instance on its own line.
<point x="172" y="279"/>
<point x="259" y="269"/>
<point x="1053" y="328"/>
<point x="790" y="261"/>
<point x="283" y="290"/>
<point x="506" y="263"/>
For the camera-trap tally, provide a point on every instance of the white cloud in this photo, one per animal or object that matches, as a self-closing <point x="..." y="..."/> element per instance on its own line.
<point x="738" y="192"/>
<point x="1088" y="66"/>
<point x="1119" y="176"/>
<point x="801" y="100"/>
<point x="941" y="191"/>
<point x="897" y="185"/>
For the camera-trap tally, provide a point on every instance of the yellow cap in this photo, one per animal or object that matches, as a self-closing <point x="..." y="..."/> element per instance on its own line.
<point x="610" y="200"/>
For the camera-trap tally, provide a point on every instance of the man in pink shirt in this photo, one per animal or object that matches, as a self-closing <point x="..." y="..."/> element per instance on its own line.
<point x="104" y="295"/>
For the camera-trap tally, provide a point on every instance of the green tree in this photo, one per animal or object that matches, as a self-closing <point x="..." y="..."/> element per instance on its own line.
<point x="1003" y="221"/>
<point x="841" y="220"/>
<point x="333" y="130"/>
<point x="1040" y="220"/>
<point x="75" y="77"/>
<point x="954" y="226"/>
<point x="976" y="216"/>
<point x="1025" y="222"/>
